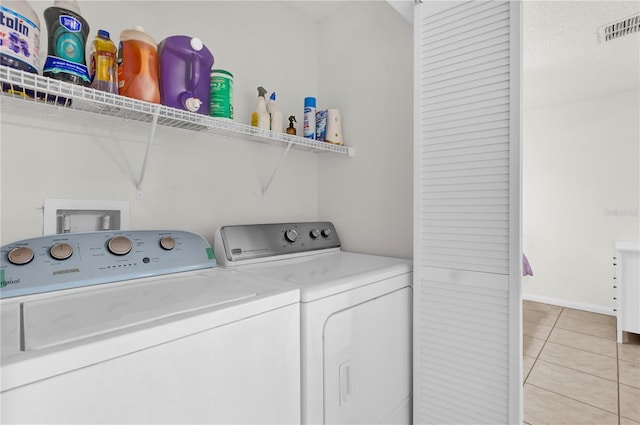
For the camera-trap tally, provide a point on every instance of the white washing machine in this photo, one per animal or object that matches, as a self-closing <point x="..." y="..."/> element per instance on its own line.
<point x="356" y="318"/>
<point x="142" y="327"/>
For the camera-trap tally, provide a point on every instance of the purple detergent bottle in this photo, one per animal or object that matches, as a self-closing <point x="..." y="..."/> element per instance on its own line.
<point x="185" y="73"/>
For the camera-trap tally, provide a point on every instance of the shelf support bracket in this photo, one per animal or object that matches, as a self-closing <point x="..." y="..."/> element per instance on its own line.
<point x="273" y="174"/>
<point x="152" y="135"/>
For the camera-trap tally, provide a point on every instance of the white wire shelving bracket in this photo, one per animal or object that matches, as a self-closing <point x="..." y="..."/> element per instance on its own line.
<point x="61" y="94"/>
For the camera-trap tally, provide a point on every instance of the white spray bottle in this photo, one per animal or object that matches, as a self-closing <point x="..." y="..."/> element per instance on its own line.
<point x="274" y="114"/>
<point x="260" y="117"/>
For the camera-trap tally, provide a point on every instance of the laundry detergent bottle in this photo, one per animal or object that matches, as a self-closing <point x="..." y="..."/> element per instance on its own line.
<point x="185" y="74"/>
<point x="67" y="32"/>
<point x="138" y="65"/>
<point x="19" y="41"/>
<point x="20" y="36"/>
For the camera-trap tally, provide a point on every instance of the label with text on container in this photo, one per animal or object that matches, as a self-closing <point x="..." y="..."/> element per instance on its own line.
<point x="221" y="103"/>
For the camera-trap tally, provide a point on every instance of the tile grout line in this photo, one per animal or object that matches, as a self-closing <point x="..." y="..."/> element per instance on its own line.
<point x="576" y="400"/>
<point x="615" y="381"/>
<point x="542" y="348"/>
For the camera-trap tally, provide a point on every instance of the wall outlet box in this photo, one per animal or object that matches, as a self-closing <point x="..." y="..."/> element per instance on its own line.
<point x="75" y="215"/>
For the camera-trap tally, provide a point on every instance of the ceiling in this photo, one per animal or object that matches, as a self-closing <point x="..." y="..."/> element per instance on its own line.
<point x="563" y="60"/>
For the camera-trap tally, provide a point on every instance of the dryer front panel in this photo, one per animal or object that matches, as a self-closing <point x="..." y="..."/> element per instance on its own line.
<point x="367" y="361"/>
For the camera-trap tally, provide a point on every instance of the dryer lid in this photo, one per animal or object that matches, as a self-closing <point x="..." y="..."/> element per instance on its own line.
<point x="322" y="275"/>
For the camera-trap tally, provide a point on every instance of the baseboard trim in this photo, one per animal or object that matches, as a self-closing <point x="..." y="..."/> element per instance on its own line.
<point x="570" y="304"/>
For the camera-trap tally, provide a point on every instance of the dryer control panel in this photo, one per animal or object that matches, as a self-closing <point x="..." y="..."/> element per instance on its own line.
<point x="72" y="260"/>
<point x="255" y="241"/>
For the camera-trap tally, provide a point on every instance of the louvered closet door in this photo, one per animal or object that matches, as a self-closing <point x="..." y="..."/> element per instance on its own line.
<point x="467" y="314"/>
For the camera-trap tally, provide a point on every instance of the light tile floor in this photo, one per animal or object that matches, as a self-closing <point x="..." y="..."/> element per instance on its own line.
<point x="574" y="371"/>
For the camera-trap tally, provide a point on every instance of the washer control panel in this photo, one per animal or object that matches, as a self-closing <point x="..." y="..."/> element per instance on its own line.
<point x="249" y="242"/>
<point x="72" y="260"/>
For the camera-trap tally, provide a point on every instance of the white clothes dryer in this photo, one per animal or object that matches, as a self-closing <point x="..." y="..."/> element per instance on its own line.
<point x="356" y="318"/>
<point x="142" y="327"/>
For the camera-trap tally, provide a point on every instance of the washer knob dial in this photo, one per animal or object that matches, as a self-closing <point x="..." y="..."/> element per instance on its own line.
<point x="291" y="235"/>
<point x="326" y="232"/>
<point x="315" y="234"/>
<point x="119" y="245"/>
<point x="61" y="251"/>
<point x="20" y="256"/>
<point x="168" y="243"/>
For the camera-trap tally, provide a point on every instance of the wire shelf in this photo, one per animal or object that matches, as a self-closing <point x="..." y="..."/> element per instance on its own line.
<point x="36" y="88"/>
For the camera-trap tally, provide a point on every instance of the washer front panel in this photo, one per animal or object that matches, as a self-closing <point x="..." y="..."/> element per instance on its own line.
<point x="72" y="260"/>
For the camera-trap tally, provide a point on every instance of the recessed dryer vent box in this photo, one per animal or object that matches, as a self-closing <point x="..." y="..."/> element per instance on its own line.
<point x="74" y="216"/>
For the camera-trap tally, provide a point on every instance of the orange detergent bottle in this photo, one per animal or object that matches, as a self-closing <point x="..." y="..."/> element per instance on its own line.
<point x="138" y="66"/>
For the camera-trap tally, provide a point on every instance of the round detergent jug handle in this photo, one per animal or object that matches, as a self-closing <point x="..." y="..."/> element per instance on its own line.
<point x="194" y="72"/>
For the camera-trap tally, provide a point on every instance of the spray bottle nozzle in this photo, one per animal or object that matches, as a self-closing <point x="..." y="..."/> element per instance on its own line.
<point x="273" y="97"/>
<point x="261" y="91"/>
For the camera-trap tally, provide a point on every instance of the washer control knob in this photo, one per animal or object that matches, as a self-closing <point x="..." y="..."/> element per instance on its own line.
<point x="315" y="234"/>
<point x="119" y="245"/>
<point x="291" y="235"/>
<point x="20" y="256"/>
<point x="168" y="243"/>
<point x="326" y="232"/>
<point x="61" y="251"/>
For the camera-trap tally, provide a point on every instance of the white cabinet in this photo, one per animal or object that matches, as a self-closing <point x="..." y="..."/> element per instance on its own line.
<point x="627" y="262"/>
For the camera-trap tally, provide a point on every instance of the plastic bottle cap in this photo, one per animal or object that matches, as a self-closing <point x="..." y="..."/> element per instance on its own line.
<point x="196" y="44"/>
<point x="193" y="104"/>
<point x="103" y="33"/>
<point x="71" y="5"/>
<point x="273" y="97"/>
<point x="310" y="101"/>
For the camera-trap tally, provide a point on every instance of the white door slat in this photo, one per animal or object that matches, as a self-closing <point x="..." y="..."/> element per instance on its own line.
<point x="491" y="81"/>
<point x="463" y="130"/>
<point x="461" y="122"/>
<point x="489" y="42"/>
<point x="464" y="74"/>
<point x="456" y="62"/>
<point x="429" y="99"/>
<point x="484" y="232"/>
<point x="456" y="14"/>
<point x="469" y="110"/>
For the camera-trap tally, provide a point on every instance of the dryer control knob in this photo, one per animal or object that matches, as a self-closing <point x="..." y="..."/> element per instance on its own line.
<point x="291" y="235"/>
<point x="120" y="245"/>
<point x="61" y="251"/>
<point x="315" y="234"/>
<point x="20" y="256"/>
<point x="168" y="243"/>
<point x="326" y="233"/>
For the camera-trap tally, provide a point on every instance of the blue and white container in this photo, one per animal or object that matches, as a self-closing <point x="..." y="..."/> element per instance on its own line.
<point x="19" y="36"/>
<point x="309" y="129"/>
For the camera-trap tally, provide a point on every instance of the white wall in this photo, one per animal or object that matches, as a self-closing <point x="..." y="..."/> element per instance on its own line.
<point x="581" y="184"/>
<point x="198" y="181"/>
<point x="194" y="181"/>
<point x="366" y="70"/>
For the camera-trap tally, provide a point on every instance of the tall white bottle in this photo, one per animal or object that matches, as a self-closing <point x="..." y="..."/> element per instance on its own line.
<point x="275" y="116"/>
<point x="260" y="117"/>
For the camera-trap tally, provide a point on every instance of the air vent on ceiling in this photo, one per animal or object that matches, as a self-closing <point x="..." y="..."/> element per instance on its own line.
<point x="619" y="29"/>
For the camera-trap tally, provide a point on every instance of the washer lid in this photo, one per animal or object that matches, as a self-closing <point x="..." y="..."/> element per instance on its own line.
<point x="322" y="275"/>
<point x="61" y="319"/>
